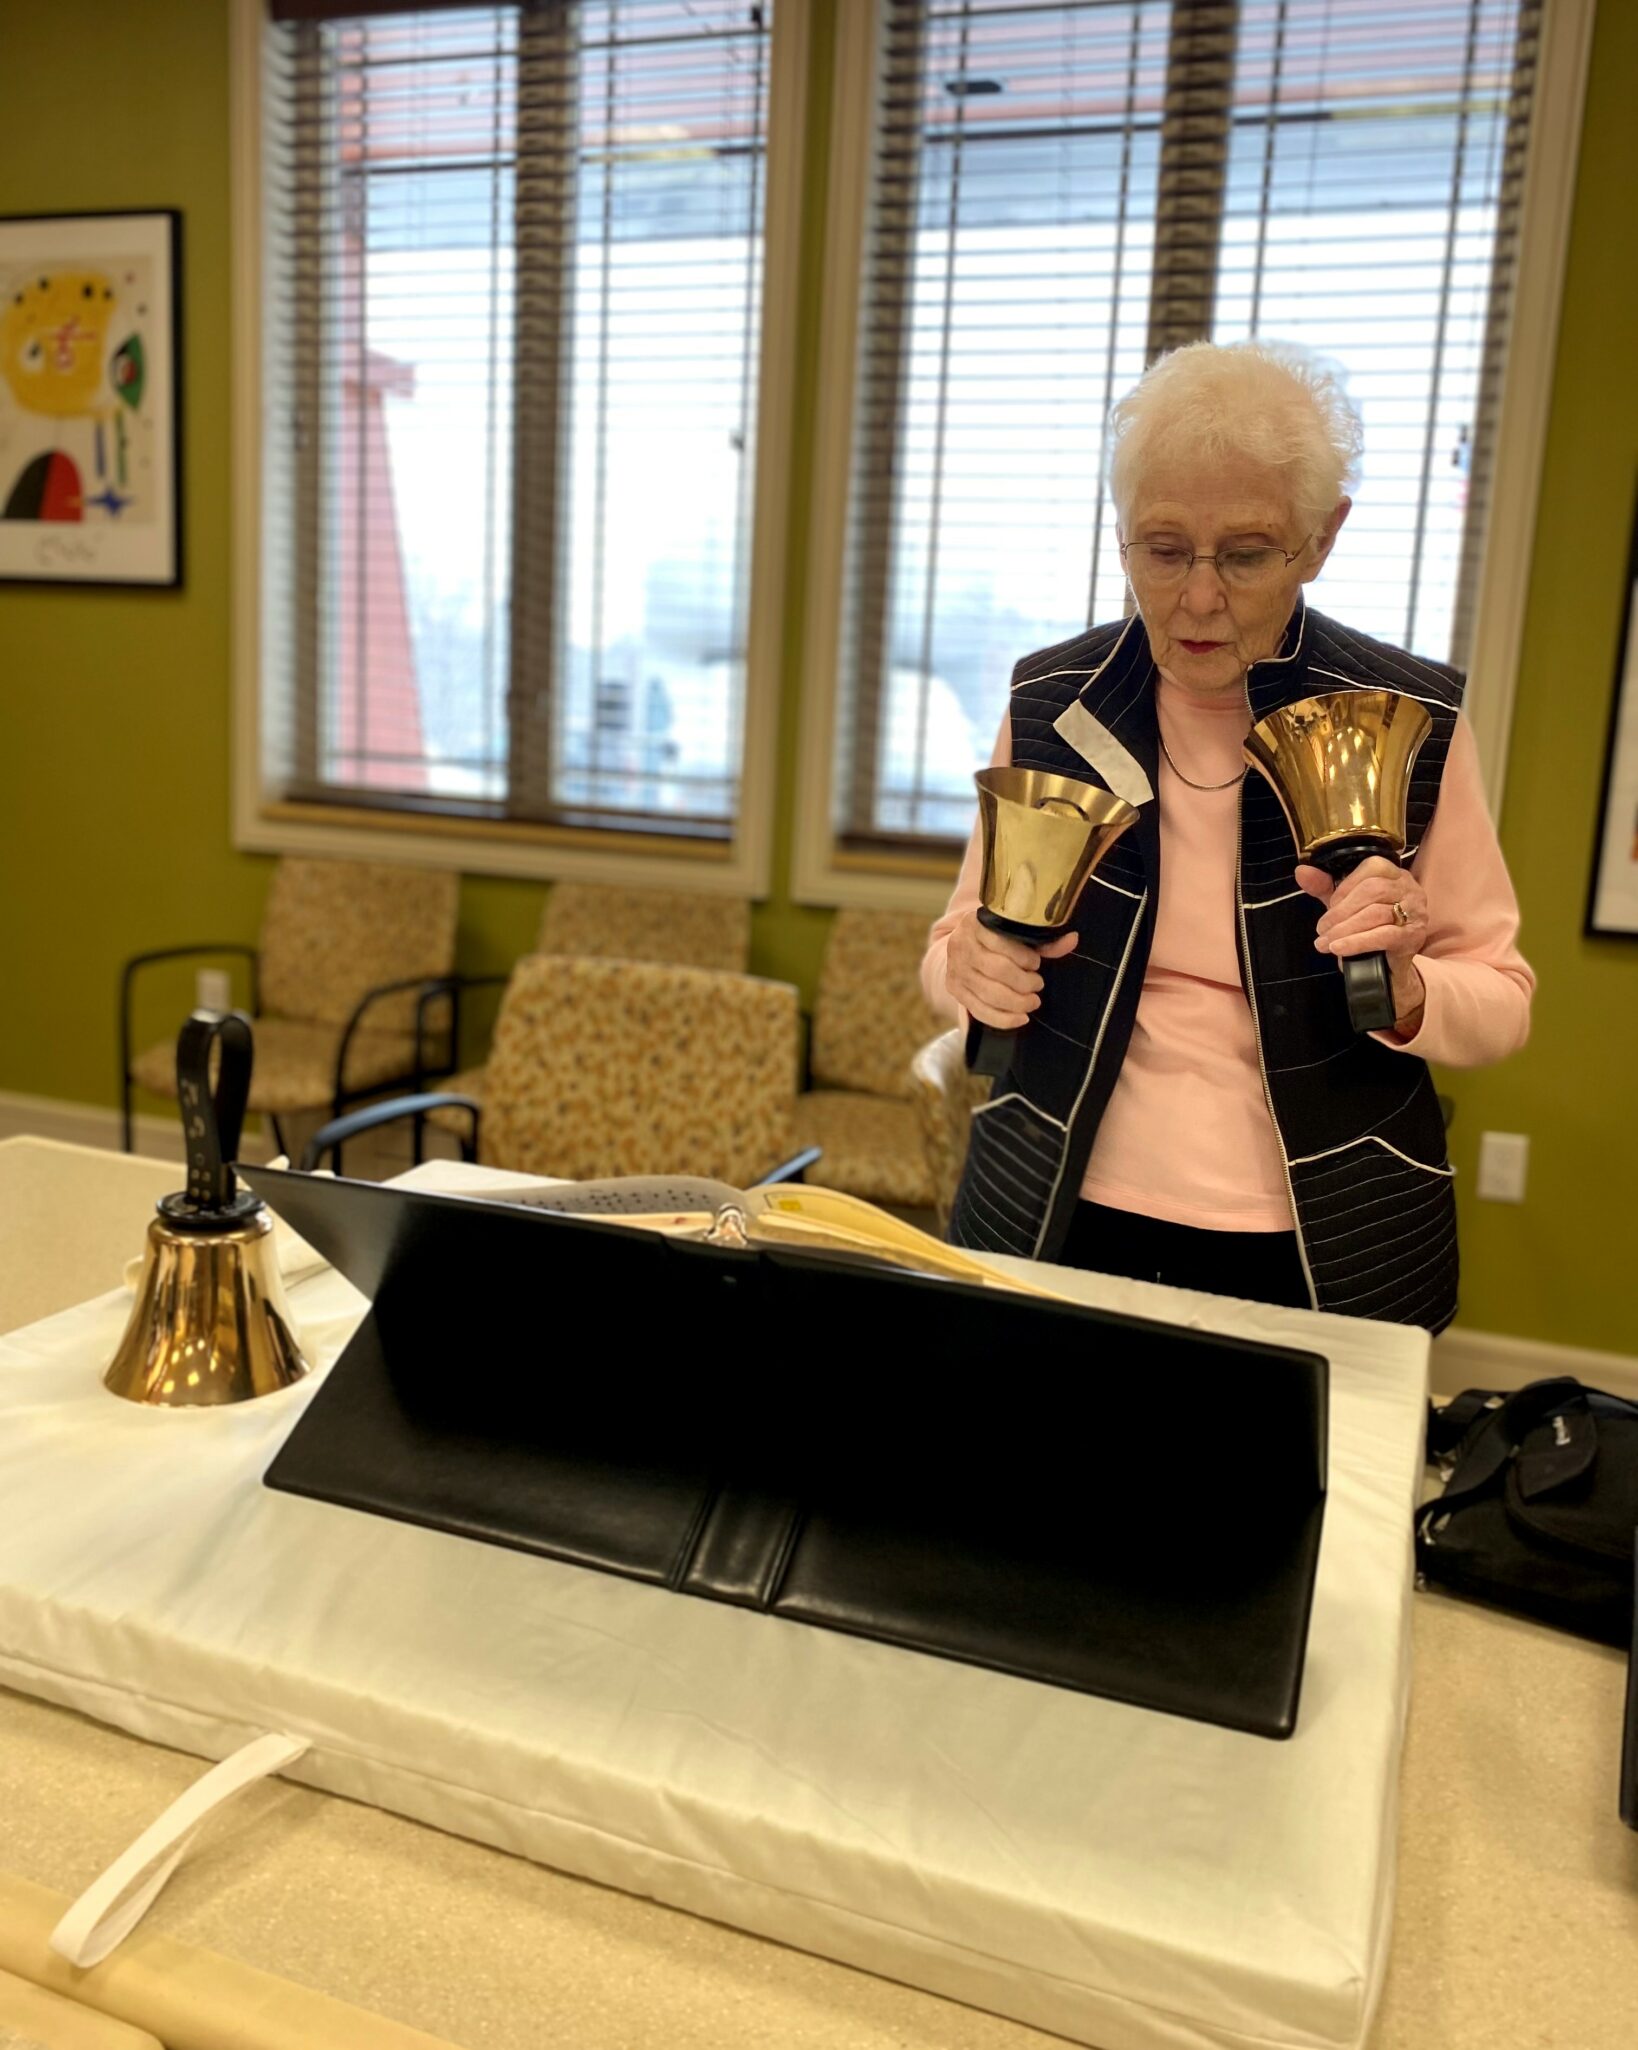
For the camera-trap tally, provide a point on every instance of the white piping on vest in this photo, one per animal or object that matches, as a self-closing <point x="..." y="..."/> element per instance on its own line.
<point x="1359" y="683"/>
<point x="1262" y="1066"/>
<point x="1086" y="1079"/>
<point x="1370" y="1139"/>
<point x="1087" y="676"/>
<point x="1277" y="661"/>
<point x="1018" y="1096"/>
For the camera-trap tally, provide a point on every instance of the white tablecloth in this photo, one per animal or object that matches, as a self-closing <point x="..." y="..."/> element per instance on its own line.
<point x="1126" y="1879"/>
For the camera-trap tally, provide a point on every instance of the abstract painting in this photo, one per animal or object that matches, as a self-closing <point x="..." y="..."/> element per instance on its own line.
<point x="1613" y="906"/>
<point x="89" y="399"/>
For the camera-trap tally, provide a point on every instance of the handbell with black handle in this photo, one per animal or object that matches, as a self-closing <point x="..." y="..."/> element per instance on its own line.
<point x="1041" y="836"/>
<point x="1340" y="765"/>
<point x="210" y="1324"/>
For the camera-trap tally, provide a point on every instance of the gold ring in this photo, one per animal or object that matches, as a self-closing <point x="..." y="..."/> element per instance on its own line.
<point x="1400" y="915"/>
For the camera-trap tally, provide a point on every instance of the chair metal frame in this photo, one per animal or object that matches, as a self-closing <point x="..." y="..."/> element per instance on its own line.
<point x="426" y="1068"/>
<point x="331" y="1137"/>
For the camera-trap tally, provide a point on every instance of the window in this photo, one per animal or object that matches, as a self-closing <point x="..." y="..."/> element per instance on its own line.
<point x="1048" y="195"/>
<point x="512" y="350"/>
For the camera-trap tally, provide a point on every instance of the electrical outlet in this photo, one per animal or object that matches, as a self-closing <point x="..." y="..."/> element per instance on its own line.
<point x="1504" y="1161"/>
<point x="213" y="990"/>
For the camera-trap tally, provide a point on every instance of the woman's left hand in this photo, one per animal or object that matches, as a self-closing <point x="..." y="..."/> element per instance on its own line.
<point x="1360" y="918"/>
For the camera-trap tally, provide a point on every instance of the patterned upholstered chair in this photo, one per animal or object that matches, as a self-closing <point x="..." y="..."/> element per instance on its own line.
<point x="352" y="989"/>
<point x="946" y="1095"/>
<point x="615" y="924"/>
<point x="630" y="1067"/>
<point x="601" y="921"/>
<point x="869" y="1020"/>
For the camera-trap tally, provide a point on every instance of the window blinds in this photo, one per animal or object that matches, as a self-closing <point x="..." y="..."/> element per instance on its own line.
<point x="1062" y="191"/>
<point x="512" y="317"/>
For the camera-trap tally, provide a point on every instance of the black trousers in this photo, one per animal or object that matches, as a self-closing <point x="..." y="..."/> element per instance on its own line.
<point x="1262" y="1266"/>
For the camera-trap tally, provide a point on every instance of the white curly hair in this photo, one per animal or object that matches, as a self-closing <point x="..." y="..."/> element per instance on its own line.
<point x="1271" y="401"/>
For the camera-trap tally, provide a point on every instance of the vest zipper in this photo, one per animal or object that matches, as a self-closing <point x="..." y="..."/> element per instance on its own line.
<point x="1262" y="1065"/>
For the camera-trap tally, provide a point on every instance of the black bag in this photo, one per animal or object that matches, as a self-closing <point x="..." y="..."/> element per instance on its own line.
<point x="1540" y="1505"/>
<point x="1539" y="1515"/>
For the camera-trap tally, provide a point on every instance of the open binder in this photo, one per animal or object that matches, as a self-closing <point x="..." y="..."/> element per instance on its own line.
<point x="1013" y="1480"/>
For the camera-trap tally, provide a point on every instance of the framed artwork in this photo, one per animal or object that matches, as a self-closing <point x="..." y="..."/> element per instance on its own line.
<point x="1613" y="906"/>
<point x="90" y="398"/>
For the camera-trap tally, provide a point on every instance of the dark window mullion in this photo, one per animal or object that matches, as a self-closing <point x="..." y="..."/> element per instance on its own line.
<point x="1498" y="321"/>
<point x="544" y="187"/>
<point x="309" y="288"/>
<point x="1458" y="176"/>
<point x="1194" y="141"/>
<point x="885" y="325"/>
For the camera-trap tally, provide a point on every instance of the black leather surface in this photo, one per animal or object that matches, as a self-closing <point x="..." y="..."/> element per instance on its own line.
<point x="1092" y="1501"/>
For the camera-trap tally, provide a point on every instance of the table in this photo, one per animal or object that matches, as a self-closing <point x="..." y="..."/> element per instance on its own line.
<point x="1518" y="1893"/>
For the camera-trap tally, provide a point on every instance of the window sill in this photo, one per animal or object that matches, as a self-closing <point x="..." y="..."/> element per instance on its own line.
<point x="498" y="847"/>
<point x="876" y="880"/>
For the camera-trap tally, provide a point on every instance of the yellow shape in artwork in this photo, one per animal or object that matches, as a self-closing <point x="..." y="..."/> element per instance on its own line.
<point x="53" y="341"/>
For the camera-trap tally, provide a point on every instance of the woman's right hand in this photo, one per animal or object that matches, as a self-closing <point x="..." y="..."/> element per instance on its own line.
<point x="995" y="979"/>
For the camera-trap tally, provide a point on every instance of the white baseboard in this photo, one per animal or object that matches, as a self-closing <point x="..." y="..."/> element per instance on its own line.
<point x="96" y="1124"/>
<point x="1492" y="1359"/>
<point x="157" y="1137"/>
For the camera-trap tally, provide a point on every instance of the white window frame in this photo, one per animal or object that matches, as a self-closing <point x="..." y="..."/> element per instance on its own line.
<point x="824" y="873"/>
<point x="738" y="867"/>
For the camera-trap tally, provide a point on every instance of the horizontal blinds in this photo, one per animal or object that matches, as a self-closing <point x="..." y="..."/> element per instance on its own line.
<point x="1366" y="176"/>
<point x="364" y="10"/>
<point x="1063" y="191"/>
<point x="1006" y="297"/>
<point x="664" y="315"/>
<point x="517" y="255"/>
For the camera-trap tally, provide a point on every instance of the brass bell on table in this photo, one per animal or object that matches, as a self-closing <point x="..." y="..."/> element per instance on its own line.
<point x="1041" y="836"/>
<point x="1340" y="765"/>
<point x="211" y="1324"/>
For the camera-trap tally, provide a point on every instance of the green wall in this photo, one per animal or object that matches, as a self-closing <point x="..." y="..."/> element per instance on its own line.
<point x="1556" y="1265"/>
<point x="114" y="802"/>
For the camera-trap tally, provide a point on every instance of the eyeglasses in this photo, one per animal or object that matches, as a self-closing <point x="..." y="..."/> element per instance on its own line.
<point x="1165" y="562"/>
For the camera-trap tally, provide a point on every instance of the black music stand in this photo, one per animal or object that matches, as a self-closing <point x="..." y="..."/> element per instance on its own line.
<point x="1089" y="1500"/>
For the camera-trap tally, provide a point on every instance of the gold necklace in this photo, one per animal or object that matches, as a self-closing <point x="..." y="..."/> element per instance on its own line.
<point x="1178" y="773"/>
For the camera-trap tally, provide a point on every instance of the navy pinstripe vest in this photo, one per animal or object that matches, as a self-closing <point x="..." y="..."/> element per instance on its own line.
<point x="1359" y="1124"/>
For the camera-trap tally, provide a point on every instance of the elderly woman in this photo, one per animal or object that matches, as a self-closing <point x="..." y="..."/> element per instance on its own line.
<point x="1189" y="1103"/>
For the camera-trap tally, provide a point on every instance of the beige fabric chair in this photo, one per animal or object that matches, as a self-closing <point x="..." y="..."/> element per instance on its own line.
<point x="638" y="1067"/>
<point x="605" y="922"/>
<point x="337" y="936"/>
<point x="869" y="1020"/>
<point x="946" y="1095"/>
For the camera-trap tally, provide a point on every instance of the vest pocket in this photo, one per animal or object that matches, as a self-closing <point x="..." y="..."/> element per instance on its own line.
<point x="1379" y="1219"/>
<point x="1013" y="1159"/>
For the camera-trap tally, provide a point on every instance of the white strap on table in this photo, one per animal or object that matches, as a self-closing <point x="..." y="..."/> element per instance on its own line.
<point x="112" y="1905"/>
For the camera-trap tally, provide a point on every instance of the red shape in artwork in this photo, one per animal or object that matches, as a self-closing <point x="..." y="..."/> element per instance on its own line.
<point x="48" y="488"/>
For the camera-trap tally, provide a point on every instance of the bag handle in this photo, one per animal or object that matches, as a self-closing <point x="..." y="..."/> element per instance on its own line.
<point x="1486" y="1449"/>
<point x="115" y="1902"/>
<point x="1447" y="1427"/>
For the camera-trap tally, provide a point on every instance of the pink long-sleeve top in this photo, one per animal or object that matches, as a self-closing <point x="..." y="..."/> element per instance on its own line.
<point x="1187" y="1135"/>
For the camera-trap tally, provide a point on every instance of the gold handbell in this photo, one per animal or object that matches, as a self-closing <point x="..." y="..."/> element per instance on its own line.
<point x="211" y="1323"/>
<point x="1042" y="835"/>
<point x="1340" y="765"/>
